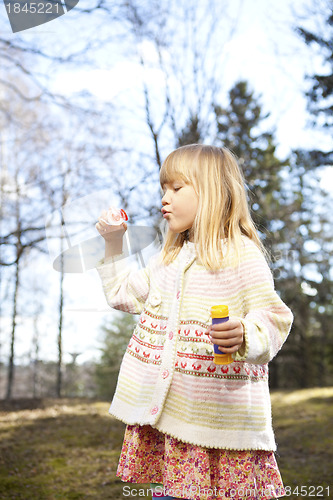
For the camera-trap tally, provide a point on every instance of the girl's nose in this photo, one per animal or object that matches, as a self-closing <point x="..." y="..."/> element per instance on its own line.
<point x="165" y="200"/>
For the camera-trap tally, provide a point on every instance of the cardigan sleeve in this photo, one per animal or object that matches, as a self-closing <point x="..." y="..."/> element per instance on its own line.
<point x="267" y="319"/>
<point x="125" y="288"/>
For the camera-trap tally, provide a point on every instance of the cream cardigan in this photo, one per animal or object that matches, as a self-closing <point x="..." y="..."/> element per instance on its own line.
<point x="168" y="378"/>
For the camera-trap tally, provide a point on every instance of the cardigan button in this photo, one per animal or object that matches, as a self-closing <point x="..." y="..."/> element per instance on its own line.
<point x="155" y="300"/>
<point x="154" y="410"/>
<point x="171" y="335"/>
<point x="165" y="374"/>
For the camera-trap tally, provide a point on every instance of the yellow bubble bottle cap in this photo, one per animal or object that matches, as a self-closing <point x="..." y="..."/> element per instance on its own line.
<point x="220" y="311"/>
<point x="223" y="359"/>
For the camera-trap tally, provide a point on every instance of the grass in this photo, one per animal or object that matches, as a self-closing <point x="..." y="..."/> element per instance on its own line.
<point x="65" y="449"/>
<point x="303" y="423"/>
<point x="69" y="449"/>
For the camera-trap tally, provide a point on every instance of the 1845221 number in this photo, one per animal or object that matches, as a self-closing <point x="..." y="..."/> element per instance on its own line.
<point x="307" y="491"/>
<point x="33" y="7"/>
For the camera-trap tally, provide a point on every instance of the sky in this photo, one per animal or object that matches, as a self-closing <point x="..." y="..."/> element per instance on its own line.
<point x="263" y="51"/>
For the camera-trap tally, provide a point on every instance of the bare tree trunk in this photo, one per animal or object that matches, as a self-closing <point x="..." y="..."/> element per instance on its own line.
<point x="64" y="196"/>
<point x="35" y="360"/>
<point x="11" y="365"/>
<point x="60" y="324"/>
<point x="11" y="362"/>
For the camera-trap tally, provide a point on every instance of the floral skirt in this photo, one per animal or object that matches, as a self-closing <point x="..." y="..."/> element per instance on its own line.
<point x="197" y="473"/>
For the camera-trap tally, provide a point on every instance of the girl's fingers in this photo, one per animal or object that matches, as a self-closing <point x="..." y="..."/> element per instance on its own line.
<point x="232" y="324"/>
<point x="230" y="339"/>
<point x="227" y="342"/>
<point x="230" y="350"/>
<point x="236" y="333"/>
<point x="105" y="230"/>
<point x="228" y="345"/>
<point x="101" y="225"/>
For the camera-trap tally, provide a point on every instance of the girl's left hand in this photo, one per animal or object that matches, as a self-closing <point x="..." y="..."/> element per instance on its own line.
<point x="229" y="336"/>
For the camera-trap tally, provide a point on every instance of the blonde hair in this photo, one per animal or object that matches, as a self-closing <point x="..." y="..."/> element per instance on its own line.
<point x="223" y="211"/>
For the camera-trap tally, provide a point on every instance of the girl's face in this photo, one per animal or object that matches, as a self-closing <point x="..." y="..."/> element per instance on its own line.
<point x="180" y="205"/>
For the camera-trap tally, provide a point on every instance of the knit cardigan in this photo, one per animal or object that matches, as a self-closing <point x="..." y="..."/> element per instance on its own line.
<point x="168" y="378"/>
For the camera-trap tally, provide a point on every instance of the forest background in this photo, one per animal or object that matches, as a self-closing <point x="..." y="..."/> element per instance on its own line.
<point x="166" y="76"/>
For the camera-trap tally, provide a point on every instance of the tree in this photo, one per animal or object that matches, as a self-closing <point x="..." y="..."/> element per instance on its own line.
<point x="182" y="45"/>
<point x="116" y="337"/>
<point x="240" y="127"/>
<point x="33" y="60"/>
<point x="192" y="133"/>
<point x="41" y="170"/>
<point x="316" y="251"/>
<point x="285" y="201"/>
<point x="320" y="93"/>
<point x="21" y="212"/>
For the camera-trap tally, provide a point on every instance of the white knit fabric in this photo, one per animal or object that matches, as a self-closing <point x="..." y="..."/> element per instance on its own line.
<point x="168" y="378"/>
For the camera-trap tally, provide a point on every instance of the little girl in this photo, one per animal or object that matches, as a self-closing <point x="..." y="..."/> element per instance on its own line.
<point x="195" y="429"/>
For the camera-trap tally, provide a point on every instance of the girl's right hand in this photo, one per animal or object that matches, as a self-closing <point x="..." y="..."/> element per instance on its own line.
<point x="110" y="233"/>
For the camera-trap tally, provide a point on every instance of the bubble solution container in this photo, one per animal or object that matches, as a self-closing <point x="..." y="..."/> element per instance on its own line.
<point x="220" y="314"/>
<point x="115" y="216"/>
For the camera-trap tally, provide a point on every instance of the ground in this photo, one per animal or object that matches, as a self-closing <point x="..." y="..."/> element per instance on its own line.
<point x="69" y="448"/>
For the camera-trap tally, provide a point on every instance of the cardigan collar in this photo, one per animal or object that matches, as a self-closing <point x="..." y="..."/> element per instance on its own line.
<point x="188" y="248"/>
<point x="187" y="253"/>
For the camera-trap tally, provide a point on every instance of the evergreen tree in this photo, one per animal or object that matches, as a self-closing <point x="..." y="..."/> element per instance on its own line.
<point x="320" y="94"/>
<point x="306" y="281"/>
<point x="192" y="132"/>
<point x="116" y="337"/>
<point x="317" y="249"/>
<point x="285" y="204"/>
<point x="240" y="128"/>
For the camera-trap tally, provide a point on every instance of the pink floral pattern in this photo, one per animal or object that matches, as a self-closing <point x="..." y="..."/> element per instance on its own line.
<point x="197" y="473"/>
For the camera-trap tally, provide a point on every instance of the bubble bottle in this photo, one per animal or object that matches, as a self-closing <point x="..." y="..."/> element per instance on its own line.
<point x="115" y="216"/>
<point x="220" y="314"/>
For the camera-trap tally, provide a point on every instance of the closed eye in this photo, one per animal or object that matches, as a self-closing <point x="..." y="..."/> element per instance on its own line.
<point x="173" y="187"/>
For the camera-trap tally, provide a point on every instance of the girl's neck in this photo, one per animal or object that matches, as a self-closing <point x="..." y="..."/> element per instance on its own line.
<point x="189" y="236"/>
